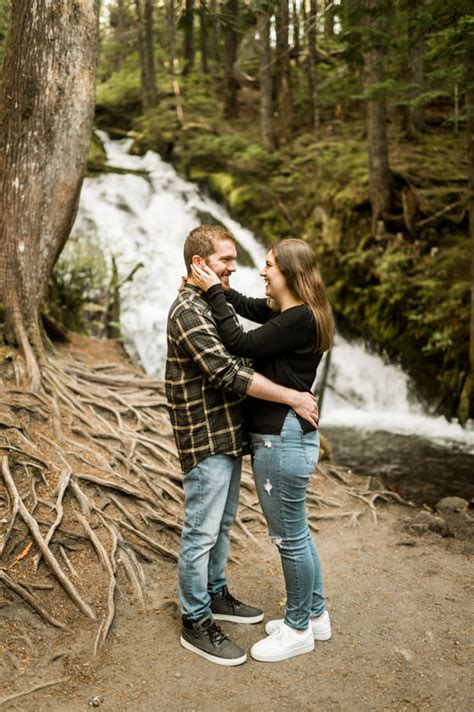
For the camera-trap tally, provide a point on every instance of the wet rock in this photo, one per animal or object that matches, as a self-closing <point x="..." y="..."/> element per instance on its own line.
<point x="452" y="504"/>
<point x="425" y="521"/>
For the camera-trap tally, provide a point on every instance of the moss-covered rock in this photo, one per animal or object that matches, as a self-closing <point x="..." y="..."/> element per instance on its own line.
<point x="96" y="157"/>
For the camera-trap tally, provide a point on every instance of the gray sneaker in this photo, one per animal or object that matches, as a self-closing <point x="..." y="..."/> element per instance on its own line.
<point x="206" y="639"/>
<point x="225" y="607"/>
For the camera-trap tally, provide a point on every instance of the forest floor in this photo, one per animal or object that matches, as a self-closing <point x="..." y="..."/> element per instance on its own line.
<point x="402" y="609"/>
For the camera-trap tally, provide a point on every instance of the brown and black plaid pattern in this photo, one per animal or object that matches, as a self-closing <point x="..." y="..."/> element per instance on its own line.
<point x="205" y="385"/>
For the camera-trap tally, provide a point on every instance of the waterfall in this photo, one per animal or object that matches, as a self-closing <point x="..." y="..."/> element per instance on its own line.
<point x="145" y="218"/>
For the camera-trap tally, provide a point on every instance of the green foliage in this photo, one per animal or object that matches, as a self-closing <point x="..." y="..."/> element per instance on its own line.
<point x="78" y="290"/>
<point x="122" y="89"/>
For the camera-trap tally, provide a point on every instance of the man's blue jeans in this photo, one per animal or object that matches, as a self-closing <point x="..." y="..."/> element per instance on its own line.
<point x="282" y="466"/>
<point x="211" y="497"/>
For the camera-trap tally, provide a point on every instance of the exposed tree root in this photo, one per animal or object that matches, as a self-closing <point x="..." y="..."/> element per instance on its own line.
<point x="90" y="469"/>
<point x="29" y="598"/>
<point x="42" y="686"/>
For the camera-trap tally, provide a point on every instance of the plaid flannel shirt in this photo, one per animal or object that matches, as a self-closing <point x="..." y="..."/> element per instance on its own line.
<point x="205" y="385"/>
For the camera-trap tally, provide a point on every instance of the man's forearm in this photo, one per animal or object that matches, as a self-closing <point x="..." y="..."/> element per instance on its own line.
<point x="261" y="387"/>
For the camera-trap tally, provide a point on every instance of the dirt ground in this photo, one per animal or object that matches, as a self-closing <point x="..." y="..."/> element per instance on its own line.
<point x="402" y="614"/>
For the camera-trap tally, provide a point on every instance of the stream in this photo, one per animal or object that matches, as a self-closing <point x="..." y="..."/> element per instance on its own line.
<point x="370" y="412"/>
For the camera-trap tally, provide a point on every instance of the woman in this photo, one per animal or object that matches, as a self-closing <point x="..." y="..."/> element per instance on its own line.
<point x="296" y="329"/>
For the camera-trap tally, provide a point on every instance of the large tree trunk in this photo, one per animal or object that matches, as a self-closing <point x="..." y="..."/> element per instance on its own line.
<point x="47" y="108"/>
<point x="147" y="52"/>
<point x="374" y="77"/>
<point x="188" y="49"/>
<point x="416" y="58"/>
<point x="282" y="72"/>
<point x="311" y="20"/>
<point x="265" y="75"/>
<point x="230" y="21"/>
<point x="203" y="35"/>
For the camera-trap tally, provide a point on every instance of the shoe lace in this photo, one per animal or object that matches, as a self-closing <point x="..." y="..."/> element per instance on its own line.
<point x="216" y="634"/>
<point x="232" y="600"/>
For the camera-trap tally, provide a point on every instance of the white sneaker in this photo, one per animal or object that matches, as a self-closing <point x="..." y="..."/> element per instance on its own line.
<point x="283" y="643"/>
<point x="321" y="627"/>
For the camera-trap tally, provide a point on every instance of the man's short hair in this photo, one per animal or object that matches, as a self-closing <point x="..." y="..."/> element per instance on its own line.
<point x="202" y="241"/>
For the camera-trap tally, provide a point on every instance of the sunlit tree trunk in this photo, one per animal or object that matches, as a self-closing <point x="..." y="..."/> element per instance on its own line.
<point x="47" y="107"/>
<point x="374" y="77"/>
<point x="230" y="21"/>
<point x="265" y="76"/>
<point x="188" y="49"/>
<point x="282" y="72"/>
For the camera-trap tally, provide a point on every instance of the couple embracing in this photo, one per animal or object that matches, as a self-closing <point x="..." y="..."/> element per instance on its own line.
<point x="224" y="387"/>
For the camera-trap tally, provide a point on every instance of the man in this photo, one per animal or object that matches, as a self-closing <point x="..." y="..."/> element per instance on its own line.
<point x="205" y="387"/>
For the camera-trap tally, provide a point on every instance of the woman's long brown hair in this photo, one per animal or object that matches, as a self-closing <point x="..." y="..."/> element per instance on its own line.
<point x="297" y="262"/>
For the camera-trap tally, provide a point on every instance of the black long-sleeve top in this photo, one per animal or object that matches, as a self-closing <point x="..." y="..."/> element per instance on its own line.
<point x="284" y="349"/>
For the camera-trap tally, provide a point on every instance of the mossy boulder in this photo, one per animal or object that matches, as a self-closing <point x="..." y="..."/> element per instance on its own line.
<point x="96" y="157"/>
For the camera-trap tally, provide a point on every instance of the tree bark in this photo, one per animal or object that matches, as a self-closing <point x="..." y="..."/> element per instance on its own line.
<point x="373" y="78"/>
<point x="282" y="72"/>
<point x="312" y="18"/>
<point x="416" y="58"/>
<point x="265" y="76"/>
<point x="188" y="49"/>
<point x="147" y="52"/>
<point x="47" y="108"/>
<point x="230" y="17"/>
<point x="203" y="35"/>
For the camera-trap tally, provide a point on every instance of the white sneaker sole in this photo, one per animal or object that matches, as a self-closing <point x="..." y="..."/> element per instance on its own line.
<point x="237" y="619"/>
<point x="228" y="662"/>
<point x="283" y="656"/>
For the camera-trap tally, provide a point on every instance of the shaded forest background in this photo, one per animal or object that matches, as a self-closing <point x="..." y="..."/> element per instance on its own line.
<point x="346" y="123"/>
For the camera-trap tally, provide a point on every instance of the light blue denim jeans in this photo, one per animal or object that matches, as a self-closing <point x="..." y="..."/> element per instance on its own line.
<point x="282" y="466"/>
<point x="211" y="497"/>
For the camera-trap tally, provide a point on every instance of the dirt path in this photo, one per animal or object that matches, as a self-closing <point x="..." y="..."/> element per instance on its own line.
<point x="402" y="612"/>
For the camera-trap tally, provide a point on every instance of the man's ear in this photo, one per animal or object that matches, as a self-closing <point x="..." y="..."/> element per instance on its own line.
<point x="197" y="260"/>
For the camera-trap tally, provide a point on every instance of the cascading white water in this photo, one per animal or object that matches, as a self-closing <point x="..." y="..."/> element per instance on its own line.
<point x="365" y="392"/>
<point x="145" y="219"/>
